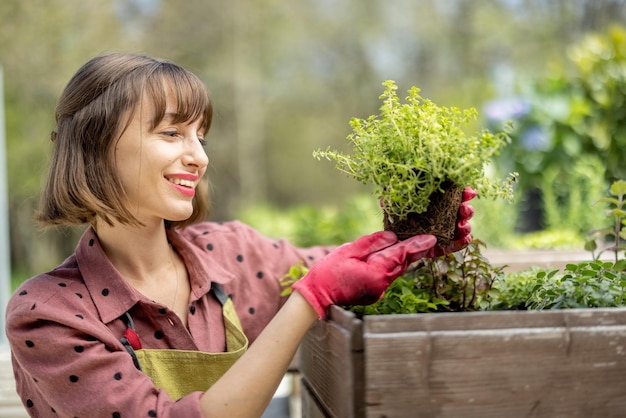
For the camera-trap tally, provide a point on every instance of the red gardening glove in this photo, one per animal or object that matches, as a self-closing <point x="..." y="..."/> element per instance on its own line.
<point x="462" y="235"/>
<point x="358" y="273"/>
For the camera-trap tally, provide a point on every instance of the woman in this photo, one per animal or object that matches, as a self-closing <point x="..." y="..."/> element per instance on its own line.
<point x="155" y="312"/>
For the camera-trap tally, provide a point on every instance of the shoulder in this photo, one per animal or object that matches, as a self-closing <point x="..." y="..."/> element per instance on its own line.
<point x="53" y="286"/>
<point x="227" y="237"/>
<point x="58" y="296"/>
<point x="219" y="230"/>
<point x="235" y="238"/>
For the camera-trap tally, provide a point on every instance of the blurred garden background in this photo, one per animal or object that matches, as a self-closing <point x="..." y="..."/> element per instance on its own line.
<point x="286" y="77"/>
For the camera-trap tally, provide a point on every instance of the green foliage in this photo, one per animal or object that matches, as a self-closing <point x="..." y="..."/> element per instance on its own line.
<point x="295" y="273"/>
<point x="466" y="280"/>
<point x="513" y="290"/>
<point x="591" y="284"/>
<point x="600" y="59"/>
<point x="455" y="282"/>
<point x="614" y="233"/>
<point x="574" y="114"/>
<point x="410" y="149"/>
<point x="403" y="296"/>
<point x="586" y="284"/>
<point x="494" y="222"/>
<point x="554" y="239"/>
<point x="566" y="199"/>
<point x="568" y="196"/>
<point x="306" y="225"/>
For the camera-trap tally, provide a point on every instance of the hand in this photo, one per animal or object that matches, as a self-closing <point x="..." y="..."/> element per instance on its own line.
<point x="358" y="273"/>
<point x="462" y="235"/>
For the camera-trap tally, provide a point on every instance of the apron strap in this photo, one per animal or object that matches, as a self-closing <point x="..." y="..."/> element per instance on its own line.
<point x="130" y="339"/>
<point x="219" y="293"/>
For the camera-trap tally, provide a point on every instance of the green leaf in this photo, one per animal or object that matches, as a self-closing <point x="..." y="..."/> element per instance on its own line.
<point x="618" y="188"/>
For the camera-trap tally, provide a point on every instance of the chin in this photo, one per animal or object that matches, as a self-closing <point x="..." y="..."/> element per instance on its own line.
<point x="180" y="216"/>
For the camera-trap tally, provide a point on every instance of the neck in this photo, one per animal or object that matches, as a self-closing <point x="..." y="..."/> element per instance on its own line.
<point x="144" y="258"/>
<point x="138" y="253"/>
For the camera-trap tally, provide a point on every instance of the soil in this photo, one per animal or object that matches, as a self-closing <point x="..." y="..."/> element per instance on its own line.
<point x="440" y="219"/>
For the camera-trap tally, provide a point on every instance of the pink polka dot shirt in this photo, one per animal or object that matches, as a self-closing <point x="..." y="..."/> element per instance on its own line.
<point x="64" y="326"/>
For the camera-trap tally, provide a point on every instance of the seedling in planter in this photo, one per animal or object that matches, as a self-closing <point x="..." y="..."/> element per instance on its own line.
<point x="419" y="158"/>
<point x="452" y="283"/>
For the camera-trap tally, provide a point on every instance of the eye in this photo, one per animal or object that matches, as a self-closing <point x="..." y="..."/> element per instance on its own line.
<point x="172" y="134"/>
<point x="202" y="141"/>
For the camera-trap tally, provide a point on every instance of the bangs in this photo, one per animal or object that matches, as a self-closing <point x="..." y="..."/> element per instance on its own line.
<point x="189" y="93"/>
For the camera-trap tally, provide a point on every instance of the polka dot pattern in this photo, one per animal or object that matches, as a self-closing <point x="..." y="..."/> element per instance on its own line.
<point x="247" y="264"/>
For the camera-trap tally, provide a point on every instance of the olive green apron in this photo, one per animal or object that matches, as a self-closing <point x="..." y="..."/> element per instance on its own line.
<point x="180" y="372"/>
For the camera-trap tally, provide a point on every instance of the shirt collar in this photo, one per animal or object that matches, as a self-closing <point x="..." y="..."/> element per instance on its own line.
<point x="203" y="269"/>
<point x="111" y="294"/>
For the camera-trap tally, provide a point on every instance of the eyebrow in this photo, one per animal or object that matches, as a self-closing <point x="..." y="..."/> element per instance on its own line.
<point x="170" y="115"/>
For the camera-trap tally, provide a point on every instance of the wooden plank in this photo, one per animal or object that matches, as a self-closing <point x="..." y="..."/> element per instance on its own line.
<point x="310" y="406"/>
<point x="569" y="363"/>
<point x="493" y="320"/>
<point x="538" y="372"/>
<point x="332" y="364"/>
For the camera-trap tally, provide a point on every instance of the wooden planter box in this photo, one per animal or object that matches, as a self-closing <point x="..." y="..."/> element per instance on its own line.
<point x="566" y="363"/>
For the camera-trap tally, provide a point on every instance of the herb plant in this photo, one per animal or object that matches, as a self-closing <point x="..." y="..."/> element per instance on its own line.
<point x="588" y="284"/>
<point x="467" y="281"/>
<point x="454" y="282"/>
<point x="411" y="150"/>
<point x="593" y="284"/>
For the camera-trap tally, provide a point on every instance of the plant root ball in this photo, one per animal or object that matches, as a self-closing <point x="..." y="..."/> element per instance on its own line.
<point x="440" y="219"/>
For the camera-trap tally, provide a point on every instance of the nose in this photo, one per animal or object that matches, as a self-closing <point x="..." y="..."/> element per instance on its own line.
<point x="195" y="155"/>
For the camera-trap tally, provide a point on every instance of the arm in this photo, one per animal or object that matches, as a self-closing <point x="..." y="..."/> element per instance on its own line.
<point x="258" y="373"/>
<point x="357" y="272"/>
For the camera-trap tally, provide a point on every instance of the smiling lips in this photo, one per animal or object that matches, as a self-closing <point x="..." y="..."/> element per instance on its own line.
<point x="185" y="184"/>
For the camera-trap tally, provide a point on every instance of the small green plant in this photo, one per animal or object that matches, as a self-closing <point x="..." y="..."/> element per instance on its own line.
<point x="295" y="273"/>
<point x="593" y="284"/>
<point x="512" y="291"/>
<point x="467" y="281"/>
<point x="455" y="282"/>
<point x="614" y="234"/>
<point x="411" y="151"/>
<point x="403" y="296"/>
<point x="588" y="284"/>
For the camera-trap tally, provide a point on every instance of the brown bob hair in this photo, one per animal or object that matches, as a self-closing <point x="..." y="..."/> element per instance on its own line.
<point x="91" y="114"/>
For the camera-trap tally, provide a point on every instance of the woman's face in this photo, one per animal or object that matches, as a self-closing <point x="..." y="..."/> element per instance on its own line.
<point x="160" y="168"/>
